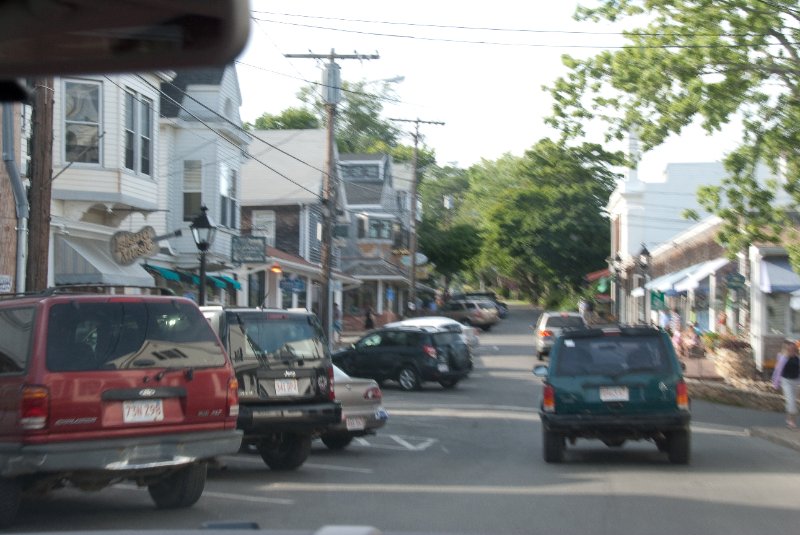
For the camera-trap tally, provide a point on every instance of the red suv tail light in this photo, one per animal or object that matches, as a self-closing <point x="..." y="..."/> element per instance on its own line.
<point x="373" y="392"/>
<point x="430" y="351"/>
<point x="233" y="397"/>
<point x="549" y="399"/>
<point x="682" y="396"/>
<point x="35" y="407"/>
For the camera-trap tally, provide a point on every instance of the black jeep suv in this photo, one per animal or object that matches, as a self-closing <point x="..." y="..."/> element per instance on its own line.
<point x="283" y="366"/>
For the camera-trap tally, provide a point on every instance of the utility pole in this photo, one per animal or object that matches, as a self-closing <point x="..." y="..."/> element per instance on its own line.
<point x="41" y="185"/>
<point x="332" y="86"/>
<point x="412" y="245"/>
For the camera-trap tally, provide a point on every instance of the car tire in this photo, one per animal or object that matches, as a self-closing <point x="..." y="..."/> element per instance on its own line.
<point x="408" y="378"/>
<point x="678" y="447"/>
<point x="337" y="441"/>
<point x="181" y="488"/>
<point x="287" y="451"/>
<point x="10" y="495"/>
<point x="614" y="442"/>
<point x="448" y="383"/>
<point x="553" y="446"/>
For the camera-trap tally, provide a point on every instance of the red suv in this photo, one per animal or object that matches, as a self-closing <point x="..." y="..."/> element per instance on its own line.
<point x="95" y="389"/>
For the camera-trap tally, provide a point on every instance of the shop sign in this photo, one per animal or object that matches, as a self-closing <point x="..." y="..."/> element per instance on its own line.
<point x="249" y="249"/>
<point x="127" y="247"/>
<point x="657" y="301"/>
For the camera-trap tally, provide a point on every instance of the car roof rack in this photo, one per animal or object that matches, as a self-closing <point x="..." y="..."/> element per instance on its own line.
<point x="104" y="289"/>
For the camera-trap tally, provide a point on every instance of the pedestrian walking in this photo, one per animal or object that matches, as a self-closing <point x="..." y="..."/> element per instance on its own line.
<point x="369" y="322"/>
<point x="786" y="377"/>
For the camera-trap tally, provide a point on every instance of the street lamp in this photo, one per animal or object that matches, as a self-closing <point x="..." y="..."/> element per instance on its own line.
<point x="614" y="267"/>
<point x="203" y="232"/>
<point x="644" y="265"/>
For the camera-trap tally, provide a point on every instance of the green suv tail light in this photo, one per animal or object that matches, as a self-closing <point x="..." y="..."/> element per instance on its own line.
<point x="682" y="395"/>
<point x="549" y="399"/>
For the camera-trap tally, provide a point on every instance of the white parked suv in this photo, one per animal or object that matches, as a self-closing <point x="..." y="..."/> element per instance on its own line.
<point x="550" y="325"/>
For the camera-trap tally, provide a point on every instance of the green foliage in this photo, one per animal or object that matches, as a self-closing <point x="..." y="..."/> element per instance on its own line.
<point x="706" y="61"/>
<point x="542" y="215"/>
<point x="288" y="119"/>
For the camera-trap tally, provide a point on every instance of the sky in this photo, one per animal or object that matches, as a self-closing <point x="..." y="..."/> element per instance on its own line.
<point x="461" y="64"/>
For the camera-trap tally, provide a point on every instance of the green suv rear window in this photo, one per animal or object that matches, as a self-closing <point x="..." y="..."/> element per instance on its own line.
<point x="116" y="335"/>
<point x="612" y="355"/>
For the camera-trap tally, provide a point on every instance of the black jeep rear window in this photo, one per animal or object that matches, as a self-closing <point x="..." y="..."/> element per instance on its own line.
<point x="612" y="355"/>
<point x="117" y="335"/>
<point x="277" y="337"/>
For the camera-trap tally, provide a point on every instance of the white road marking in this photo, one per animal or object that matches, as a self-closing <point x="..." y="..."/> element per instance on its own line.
<point x="223" y="496"/>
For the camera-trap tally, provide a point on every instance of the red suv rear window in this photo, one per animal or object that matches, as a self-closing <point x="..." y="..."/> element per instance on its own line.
<point x="117" y="335"/>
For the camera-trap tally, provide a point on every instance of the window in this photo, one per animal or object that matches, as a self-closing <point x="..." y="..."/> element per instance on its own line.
<point x="192" y="188"/>
<point x="82" y="122"/>
<point x="16" y="329"/>
<point x="263" y="224"/>
<point x="138" y="133"/>
<point x="227" y="193"/>
<point x="380" y="229"/>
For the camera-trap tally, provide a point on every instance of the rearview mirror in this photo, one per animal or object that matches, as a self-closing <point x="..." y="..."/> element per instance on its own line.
<point x="53" y="37"/>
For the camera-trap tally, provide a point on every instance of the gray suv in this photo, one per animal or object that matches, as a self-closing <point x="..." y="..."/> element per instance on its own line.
<point x="285" y="374"/>
<point x="550" y="325"/>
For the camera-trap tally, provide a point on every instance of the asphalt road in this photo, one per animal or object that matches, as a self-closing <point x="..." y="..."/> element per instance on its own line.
<point x="469" y="460"/>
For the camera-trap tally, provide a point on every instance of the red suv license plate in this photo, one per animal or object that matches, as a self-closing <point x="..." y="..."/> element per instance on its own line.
<point x="145" y="410"/>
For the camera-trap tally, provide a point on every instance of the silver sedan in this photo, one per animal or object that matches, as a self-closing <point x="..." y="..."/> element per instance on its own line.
<point x="362" y="410"/>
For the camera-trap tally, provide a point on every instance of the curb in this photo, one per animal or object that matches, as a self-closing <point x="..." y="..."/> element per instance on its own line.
<point x="719" y="392"/>
<point x="783" y="437"/>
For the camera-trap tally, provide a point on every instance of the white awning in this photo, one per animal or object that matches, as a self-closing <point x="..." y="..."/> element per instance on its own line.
<point x="666" y="283"/>
<point x="777" y="276"/>
<point x="85" y="261"/>
<point x="703" y="271"/>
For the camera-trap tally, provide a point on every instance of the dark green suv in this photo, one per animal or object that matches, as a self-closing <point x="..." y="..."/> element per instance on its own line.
<point x="614" y="384"/>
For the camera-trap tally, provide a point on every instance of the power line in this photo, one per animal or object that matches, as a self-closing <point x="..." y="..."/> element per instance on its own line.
<point x="195" y="117"/>
<point x="529" y="45"/>
<point x="509" y="30"/>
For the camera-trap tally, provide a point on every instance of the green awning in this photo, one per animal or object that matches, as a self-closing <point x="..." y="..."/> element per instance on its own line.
<point x="165" y="273"/>
<point x="233" y="282"/>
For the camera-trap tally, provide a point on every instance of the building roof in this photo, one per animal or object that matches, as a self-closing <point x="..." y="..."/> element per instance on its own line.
<point x="298" y="155"/>
<point x="174" y="90"/>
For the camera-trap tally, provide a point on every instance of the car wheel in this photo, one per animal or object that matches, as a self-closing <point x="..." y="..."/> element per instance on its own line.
<point x="678" y="447"/>
<point x="287" y="451"/>
<point x="614" y="442"/>
<point x="448" y="383"/>
<point x="553" y="446"/>
<point x="337" y="441"/>
<point x="181" y="488"/>
<point x="9" y="501"/>
<point x="408" y="379"/>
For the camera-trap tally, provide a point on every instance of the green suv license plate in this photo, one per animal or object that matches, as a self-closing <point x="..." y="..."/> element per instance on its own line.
<point x="614" y="393"/>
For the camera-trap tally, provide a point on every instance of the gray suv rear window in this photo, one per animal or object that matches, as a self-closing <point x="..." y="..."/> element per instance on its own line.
<point x="565" y="321"/>
<point x="117" y="335"/>
<point x="278" y="337"/>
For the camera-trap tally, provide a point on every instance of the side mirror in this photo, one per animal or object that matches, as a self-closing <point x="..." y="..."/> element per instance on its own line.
<point x="541" y="370"/>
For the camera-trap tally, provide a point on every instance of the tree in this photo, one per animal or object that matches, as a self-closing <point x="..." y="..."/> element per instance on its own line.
<point x="701" y="60"/>
<point x="546" y="227"/>
<point x="288" y="119"/>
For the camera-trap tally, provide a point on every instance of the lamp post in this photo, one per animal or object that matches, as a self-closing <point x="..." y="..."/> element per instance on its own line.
<point x="644" y="265"/>
<point x="614" y="266"/>
<point x="203" y="232"/>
